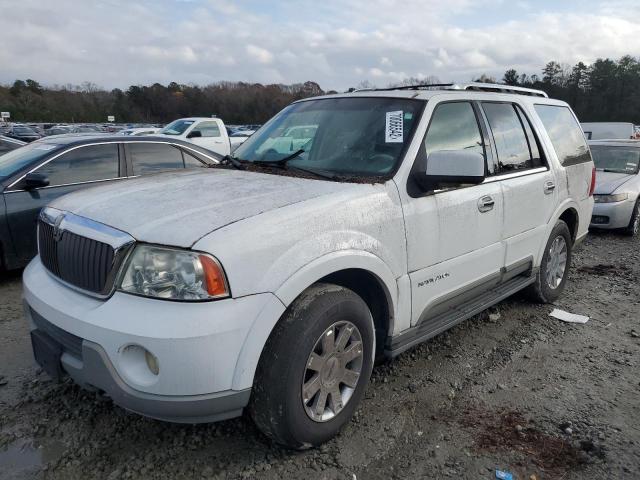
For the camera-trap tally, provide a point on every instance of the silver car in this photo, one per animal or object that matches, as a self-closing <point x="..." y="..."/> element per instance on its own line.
<point x="617" y="185"/>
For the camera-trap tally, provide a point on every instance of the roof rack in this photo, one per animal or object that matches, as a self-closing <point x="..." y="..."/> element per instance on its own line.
<point x="472" y="86"/>
<point x="499" y="88"/>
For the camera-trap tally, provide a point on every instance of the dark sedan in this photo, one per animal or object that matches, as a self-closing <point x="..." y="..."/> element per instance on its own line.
<point x="34" y="175"/>
<point x="24" y="133"/>
<point x="7" y="144"/>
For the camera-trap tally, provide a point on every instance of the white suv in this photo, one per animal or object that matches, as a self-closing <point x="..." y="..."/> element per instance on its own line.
<point x="274" y="281"/>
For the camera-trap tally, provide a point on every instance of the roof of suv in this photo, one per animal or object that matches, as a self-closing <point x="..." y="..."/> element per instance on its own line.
<point x="425" y="92"/>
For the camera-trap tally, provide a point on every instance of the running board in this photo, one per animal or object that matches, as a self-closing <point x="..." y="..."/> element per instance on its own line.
<point x="429" y="329"/>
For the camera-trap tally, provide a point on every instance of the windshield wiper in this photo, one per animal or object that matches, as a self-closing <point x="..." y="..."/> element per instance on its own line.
<point x="233" y="161"/>
<point x="283" y="161"/>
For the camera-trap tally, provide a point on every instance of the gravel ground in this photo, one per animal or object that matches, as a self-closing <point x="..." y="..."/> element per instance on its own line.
<point x="512" y="389"/>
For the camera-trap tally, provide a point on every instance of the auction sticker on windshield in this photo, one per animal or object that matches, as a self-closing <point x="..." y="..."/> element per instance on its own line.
<point x="394" y="127"/>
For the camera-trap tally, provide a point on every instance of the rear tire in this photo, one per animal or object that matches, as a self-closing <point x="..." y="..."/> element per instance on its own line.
<point x="554" y="268"/>
<point x="634" y="224"/>
<point x="314" y="368"/>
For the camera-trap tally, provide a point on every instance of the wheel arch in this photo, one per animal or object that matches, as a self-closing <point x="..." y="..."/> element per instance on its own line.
<point x="364" y="273"/>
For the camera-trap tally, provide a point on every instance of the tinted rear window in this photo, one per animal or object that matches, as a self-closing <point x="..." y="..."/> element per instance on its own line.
<point x="154" y="157"/>
<point x="565" y="133"/>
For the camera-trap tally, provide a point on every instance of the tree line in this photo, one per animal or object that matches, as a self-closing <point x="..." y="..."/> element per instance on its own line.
<point x="606" y="90"/>
<point x="235" y="102"/>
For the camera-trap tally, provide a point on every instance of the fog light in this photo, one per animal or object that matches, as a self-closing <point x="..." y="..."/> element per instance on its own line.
<point x="138" y="365"/>
<point x="152" y="362"/>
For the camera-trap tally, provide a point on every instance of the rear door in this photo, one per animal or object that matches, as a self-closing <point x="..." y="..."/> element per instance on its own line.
<point x="72" y="170"/>
<point x="529" y="186"/>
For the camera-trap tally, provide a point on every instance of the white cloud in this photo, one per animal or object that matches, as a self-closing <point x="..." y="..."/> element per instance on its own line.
<point x="336" y="43"/>
<point x="262" y="55"/>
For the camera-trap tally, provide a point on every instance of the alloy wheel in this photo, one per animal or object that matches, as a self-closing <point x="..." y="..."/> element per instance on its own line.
<point x="332" y="371"/>
<point x="557" y="262"/>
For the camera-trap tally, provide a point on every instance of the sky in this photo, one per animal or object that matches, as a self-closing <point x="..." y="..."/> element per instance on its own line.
<point x="337" y="43"/>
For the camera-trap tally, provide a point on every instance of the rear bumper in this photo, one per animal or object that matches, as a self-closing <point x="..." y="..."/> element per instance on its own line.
<point x="89" y="366"/>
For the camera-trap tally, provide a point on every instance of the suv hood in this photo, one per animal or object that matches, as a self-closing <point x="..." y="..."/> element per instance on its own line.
<point x="180" y="208"/>
<point x="608" y="182"/>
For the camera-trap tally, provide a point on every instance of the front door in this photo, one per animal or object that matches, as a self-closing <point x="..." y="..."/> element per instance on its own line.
<point x="453" y="234"/>
<point x="71" y="171"/>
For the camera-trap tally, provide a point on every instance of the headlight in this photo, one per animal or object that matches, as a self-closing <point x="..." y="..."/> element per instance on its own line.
<point x="173" y="274"/>
<point x="618" y="197"/>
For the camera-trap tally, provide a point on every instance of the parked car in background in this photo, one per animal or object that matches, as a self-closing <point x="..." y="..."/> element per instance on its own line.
<point x="136" y="132"/>
<point x="58" y="130"/>
<point x="617" y="193"/>
<point x="608" y="130"/>
<point x="7" y="144"/>
<point x="238" y="137"/>
<point x="209" y="133"/>
<point x="274" y="283"/>
<point x="22" y="132"/>
<point x="42" y="171"/>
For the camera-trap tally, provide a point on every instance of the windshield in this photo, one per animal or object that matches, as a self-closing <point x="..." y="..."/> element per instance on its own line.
<point x="19" y="158"/>
<point x="342" y="136"/>
<point x="177" y="128"/>
<point x="616" y="159"/>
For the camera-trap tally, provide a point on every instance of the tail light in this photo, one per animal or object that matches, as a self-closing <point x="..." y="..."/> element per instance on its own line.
<point x="593" y="182"/>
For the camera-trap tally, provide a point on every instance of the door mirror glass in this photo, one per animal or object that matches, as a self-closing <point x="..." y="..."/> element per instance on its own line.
<point x="35" y="180"/>
<point x="453" y="167"/>
<point x="195" y="134"/>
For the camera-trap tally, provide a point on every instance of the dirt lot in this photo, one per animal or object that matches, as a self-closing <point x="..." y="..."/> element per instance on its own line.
<point x="512" y="389"/>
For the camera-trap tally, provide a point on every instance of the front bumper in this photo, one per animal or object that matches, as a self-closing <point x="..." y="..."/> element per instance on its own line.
<point x="197" y="346"/>
<point x="612" y="215"/>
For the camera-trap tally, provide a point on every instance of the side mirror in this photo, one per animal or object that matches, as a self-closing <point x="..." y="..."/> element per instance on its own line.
<point x="452" y="167"/>
<point x="35" y="180"/>
<point x="195" y="134"/>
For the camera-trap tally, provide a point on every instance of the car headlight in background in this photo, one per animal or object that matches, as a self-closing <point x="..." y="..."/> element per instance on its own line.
<point x="173" y="274"/>
<point x="617" y="197"/>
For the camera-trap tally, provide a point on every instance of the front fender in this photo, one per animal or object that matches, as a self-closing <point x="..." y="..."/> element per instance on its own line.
<point x="291" y="288"/>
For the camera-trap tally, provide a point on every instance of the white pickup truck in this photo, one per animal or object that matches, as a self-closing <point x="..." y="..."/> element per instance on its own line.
<point x="350" y="227"/>
<point x="209" y="133"/>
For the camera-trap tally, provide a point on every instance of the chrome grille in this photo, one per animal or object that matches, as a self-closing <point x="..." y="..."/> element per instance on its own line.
<point x="82" y="253"/>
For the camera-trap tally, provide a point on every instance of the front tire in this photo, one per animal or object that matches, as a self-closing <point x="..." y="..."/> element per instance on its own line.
<point x="314" y="368"/>
<point x="554" y="268"/>
<point x="634" y="224"/>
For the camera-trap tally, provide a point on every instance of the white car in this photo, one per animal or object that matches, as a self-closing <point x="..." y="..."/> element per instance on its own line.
<point x="137" y="132"/>
<point x="209" y="133"/>
<point x="238" y="137"/>
<point x="274" y="283"/>
<point x="617" y="192"/>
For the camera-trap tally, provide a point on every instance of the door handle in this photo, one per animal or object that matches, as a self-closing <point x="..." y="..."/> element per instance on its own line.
<point x="486" y="204"/>
<point x="549" y="187"/>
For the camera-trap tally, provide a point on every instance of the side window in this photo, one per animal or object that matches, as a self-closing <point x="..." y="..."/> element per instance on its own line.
<point x="84" y="164"/>
<point x="207" y="129"/>
<point x="509" y="137"/>
<point x="154" y="157"/>
<point x="534" y="147"/>
<point x="454" y="127"/>
<point x="565" y="133"/>
<point x="190" y="161"/>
